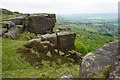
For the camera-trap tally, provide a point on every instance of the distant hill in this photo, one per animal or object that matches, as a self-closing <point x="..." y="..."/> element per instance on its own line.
<point x="75" y="16"/>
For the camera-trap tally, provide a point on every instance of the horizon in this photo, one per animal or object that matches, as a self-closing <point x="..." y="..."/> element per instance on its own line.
<point x="68" y="14"/>
<point x="61" y="6"/>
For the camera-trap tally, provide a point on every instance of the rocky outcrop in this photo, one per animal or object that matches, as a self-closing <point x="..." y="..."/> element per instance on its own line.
<point x="41" y="23"/>
<point x="17" y="20"/>
<point x="6" y="12"/>
<point x="49" y="46"/>
<point x="94" y="62"/>
<point x="12" y="27"/>
<point x="63" y="40"/>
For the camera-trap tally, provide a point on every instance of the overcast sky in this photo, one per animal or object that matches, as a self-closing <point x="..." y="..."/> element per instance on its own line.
<point x="61" y="6"/>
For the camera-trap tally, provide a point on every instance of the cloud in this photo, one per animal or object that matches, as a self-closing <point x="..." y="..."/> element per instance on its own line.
<point x="61" y="6"/>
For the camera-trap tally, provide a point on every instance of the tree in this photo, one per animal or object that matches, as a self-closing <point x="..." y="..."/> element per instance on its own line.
<point x="80" y="48"/>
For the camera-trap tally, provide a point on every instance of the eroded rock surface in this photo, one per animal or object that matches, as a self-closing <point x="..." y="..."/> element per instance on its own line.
<point x="114" y="72"/>
<point x="94" y="62"/>
<point x="41" y="23"/>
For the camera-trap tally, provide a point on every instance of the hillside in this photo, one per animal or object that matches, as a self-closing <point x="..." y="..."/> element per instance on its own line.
<point x="20" y="59"/>
<point x="15" y="66"/>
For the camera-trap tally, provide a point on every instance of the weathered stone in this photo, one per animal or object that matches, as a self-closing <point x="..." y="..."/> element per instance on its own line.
<point x="40" y="46"/>
<point x="63" y="28"/>
<point x="77" y="57"/>
<point x="38" y="35"/>
<point x="17" y="20"/>
<point x="8" y="24"/>
<point x="3" y="31"/>
<point x="69" y="77"/>
<point x="66" y="39"/>
<point x="13" y="33"/>
<point x="50" y="37"/>
<point x="41" y="23"/>
<point x="7" y="12"/>
<point x="94" y="62"/>
<point x="29" y="38"/>
<point x="21" y="28"/>
<point x="114" y="72"/>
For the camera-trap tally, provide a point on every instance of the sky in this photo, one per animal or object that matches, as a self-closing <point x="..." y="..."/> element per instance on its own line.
<point x="61" y="6"/>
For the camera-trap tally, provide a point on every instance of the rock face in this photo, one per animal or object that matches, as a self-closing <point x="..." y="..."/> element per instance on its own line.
<point x="115" y="69"/>
<point x="41" y="23"/>
<point x="94" y="62"/>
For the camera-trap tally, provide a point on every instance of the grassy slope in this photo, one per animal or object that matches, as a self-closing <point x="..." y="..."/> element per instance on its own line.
<point x="13" y="66"/>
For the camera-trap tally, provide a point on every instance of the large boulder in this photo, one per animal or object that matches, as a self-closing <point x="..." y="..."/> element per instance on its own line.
<point x="41" y="23"/>
<point x="17" y="20"/>
<point x="65" y="40"/>
<point x="94" y="62"/>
